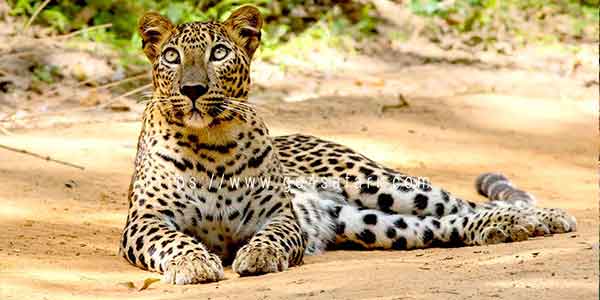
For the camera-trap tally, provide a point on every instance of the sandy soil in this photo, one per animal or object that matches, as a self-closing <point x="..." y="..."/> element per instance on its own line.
<point x="60" y="226"/>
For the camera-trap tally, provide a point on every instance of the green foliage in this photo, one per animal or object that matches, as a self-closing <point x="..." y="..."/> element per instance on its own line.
<point x="57" y="19"/>
<point x="335" y="29"/>
<point x="47" y="74"/>
<point x="21" y="7"/>
<point x="510" y="16"/>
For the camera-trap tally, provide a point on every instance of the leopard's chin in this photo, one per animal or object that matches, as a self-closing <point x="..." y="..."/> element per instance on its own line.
<point x="197" y="120"/>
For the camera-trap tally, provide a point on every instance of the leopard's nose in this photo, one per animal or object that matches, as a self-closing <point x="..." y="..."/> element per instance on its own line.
<point x="193" y="91"/>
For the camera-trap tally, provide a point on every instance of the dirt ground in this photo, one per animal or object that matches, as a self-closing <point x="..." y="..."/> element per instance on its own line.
<point x="61" y="226"/>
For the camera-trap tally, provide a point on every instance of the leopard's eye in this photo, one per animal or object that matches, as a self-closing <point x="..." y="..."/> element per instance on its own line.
<point x="171" y="56"/>
<point x="219" y="52"/>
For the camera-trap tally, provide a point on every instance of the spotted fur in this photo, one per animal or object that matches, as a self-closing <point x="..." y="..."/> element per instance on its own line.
<point x="187" y="217"/>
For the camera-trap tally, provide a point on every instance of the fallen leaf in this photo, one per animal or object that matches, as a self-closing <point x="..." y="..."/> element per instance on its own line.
<point x="128" y="284"/>
<point x="148" y="282"/>
<point x="379" y="82"/>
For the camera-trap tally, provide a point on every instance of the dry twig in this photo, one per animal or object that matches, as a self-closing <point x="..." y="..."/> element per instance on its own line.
<point x="4" y="131"/>
<point x="49" y="42"/>
<point x="35" y="14"/>
<point x="78" y="109"/>
<point x="76" y="32"/>
<point x="104" y="86"/>
<point x="132" y="92"/>
<point x="48" y="158"/>
<point x="125" y="80"/>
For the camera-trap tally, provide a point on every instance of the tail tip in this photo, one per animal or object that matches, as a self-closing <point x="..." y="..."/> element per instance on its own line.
<point x="485" y="180"/>
<point x="496" y="186"/>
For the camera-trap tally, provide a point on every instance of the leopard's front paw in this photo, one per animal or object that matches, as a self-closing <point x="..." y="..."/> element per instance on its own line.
<point x="259" y="259"/>
<point x="193" y="268"/>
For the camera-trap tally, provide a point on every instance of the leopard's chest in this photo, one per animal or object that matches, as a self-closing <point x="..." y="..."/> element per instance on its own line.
<point x="224" y="215"/>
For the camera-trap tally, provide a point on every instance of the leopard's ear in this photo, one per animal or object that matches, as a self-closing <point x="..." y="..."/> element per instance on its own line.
<point x="154" y="30"/>
<point x="244" y="26"/>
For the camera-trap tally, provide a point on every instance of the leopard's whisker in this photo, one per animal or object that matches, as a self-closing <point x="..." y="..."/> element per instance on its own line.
<point x="243" y="113"/>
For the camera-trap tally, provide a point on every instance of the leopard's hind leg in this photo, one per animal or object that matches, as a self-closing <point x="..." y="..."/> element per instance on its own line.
<point x="374" y="229"/>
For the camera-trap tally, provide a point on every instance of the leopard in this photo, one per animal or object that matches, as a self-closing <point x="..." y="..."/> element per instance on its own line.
<point x="212" y="188"/>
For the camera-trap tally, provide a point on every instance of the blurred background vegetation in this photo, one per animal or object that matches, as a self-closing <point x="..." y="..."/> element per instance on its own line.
<point x="92" y="43"/>
<point x="485" y="24"/>
<point x="284" y="19"/>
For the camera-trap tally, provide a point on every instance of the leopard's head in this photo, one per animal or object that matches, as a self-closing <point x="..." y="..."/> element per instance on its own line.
<point x="201" y="70"/>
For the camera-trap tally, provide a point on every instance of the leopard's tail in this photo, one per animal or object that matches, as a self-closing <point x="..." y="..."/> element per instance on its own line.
<point x="497" y="188"/>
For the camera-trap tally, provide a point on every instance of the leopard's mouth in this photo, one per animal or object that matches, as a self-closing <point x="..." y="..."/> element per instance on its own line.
<point x="195" y="114"/>
<point x="197" y="119"/>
